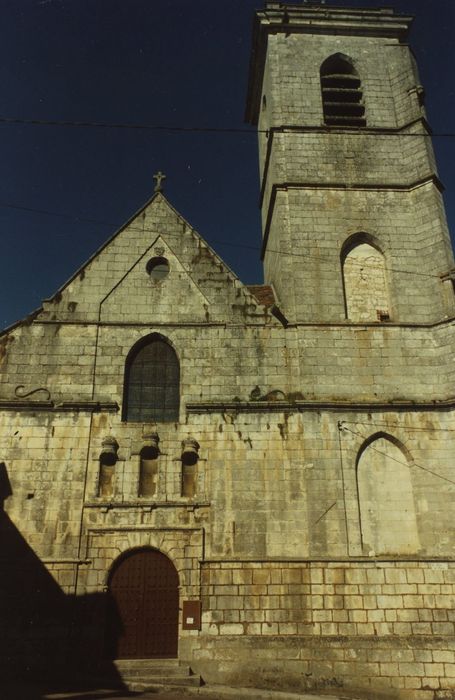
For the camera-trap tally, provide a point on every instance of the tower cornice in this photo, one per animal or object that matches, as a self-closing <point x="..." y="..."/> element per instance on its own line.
<point x="278" y="18"/>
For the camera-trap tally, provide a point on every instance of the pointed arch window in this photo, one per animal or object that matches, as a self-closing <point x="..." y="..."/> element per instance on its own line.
<point x="152" y="382"/>
<point x="364" y="280"/>
<point x="341" y="92"/>
<point x="386" y="499"/>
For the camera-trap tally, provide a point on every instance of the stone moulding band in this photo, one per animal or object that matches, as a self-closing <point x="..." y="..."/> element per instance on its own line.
<point x="129" y="324"/>
<point x="333" y="560"/>
<point x="98" y="531"/>
<point x="298" y="406"/>
<point x="239" y="406"/>
<point x="47" y="560"/>
<point x="345" y="323"/>
<point x="147" y="504"/>
<point x="90" y="406"/>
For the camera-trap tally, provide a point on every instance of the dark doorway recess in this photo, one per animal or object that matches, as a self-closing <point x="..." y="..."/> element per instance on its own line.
<point x="144" y="611"/>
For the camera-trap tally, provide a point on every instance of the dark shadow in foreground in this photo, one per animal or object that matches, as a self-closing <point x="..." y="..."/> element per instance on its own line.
<point x="49" y="641"/>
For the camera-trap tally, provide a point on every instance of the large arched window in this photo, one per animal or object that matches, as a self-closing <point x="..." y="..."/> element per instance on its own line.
<point x="386" y="500"/>
<point x="341" y="92"/>
<point x="364" y="280"/>
<point x="152" y="378"/>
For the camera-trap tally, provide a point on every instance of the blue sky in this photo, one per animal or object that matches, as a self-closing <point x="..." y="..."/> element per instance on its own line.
<point x="65" y="190"/>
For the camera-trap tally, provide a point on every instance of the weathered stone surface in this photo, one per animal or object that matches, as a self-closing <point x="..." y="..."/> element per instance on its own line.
<point x="319" y="527"/>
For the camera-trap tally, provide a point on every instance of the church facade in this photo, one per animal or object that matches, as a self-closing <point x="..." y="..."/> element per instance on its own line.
<point x="257" y="480"/>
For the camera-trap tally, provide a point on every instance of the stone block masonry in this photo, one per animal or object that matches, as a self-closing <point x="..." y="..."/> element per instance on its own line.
<point x="360" y="598"/>
<point x="373" y="627"/>
<point x="280" y="455"/>
<point x="376" y="668"/>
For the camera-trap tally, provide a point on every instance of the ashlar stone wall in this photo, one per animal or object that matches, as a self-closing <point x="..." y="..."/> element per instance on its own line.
<point x="321" y="185"/>
<point x="294" y="425"/>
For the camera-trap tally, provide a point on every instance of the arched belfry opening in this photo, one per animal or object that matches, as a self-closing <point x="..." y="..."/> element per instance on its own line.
<point x="143" y="608"/>
<point x="152" y="382"/>
<point x="342" y="96"/>
<point x="386" y="500"/>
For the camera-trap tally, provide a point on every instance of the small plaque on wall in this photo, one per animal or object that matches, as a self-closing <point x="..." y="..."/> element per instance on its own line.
<point x="191" y="618"/>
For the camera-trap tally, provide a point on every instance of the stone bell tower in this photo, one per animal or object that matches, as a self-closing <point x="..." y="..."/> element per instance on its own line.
<point x="354" y="228"/>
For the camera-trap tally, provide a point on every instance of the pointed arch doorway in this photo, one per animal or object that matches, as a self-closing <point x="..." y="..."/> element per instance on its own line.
<point x="143" y="606"/>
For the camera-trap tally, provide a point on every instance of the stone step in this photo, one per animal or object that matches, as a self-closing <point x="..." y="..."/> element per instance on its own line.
<point x="147" y="674"/>
<point x="151" y="667"/>
<point x="149" y="662"/>
<point x="151" y="682"/>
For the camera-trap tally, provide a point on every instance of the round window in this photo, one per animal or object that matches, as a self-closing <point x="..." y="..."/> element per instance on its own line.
<point x="158" y="269"/>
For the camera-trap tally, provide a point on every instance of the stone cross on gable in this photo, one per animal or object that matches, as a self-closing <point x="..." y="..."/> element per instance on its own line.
<point x="159" y="177"/>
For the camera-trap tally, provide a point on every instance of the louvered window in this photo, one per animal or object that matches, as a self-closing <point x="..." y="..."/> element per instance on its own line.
<point x="341" y="93"/>
<point x="152" y="383"/>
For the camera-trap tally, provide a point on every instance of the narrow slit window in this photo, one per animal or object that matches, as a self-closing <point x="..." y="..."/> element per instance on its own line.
<point x="189" y="479"/>
<point x="107" y="462"/>
<point x="148" y="476"/>
<point x="106" y="478"/>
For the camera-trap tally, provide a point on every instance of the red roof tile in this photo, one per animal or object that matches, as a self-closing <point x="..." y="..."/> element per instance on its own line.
<point x="263" y="293"/>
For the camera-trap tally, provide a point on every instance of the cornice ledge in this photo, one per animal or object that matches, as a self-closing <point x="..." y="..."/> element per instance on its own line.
<point x="314" y="405"/>
<point x="355" y="130"/>
<point x="52" y="406"/>
<point x="349" y="20"/>
<point x="340" y="185"/>
<point x="91" y="406"/>
<point x="24" y="405"/>
<point x="129" y="324"/>
<point x="102" y="530"/>
<point x="147" y="504"/>
<point x="360" y="325"/>
<point x="67" y="560"/>
<point x="401" y="559"/>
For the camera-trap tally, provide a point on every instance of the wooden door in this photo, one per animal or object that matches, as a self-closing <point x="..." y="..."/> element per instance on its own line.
<point x="144" y="607"/>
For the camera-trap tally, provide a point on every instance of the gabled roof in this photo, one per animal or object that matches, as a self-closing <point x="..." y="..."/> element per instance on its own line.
<point x="180" y="231"/>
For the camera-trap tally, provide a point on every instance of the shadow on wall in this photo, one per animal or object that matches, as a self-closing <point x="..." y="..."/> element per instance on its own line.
<point x="49" y="641"/>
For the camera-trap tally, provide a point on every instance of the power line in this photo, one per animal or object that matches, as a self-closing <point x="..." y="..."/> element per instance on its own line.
<point x="245" y="246"/>
<point x="384" y="454"/>
<point x="190" y="129"/>
<point x="119" y="125"/>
